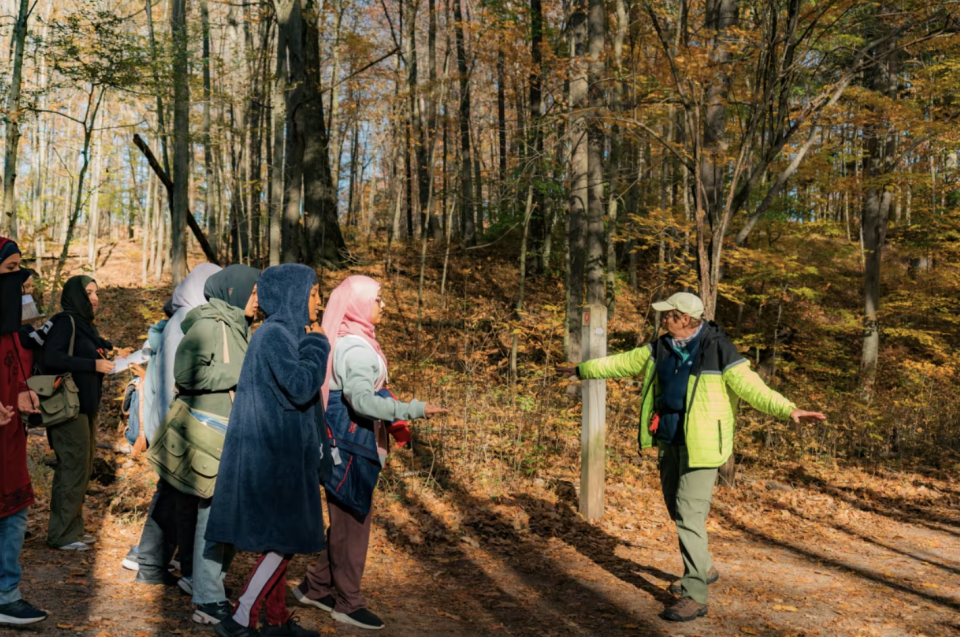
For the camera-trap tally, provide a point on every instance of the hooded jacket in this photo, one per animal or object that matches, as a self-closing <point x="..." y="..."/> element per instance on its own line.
<point x="204" y="379"/>
<point x="275" y="452"/>
<point x="719" y="378"/>
<point x="160" y="384"/>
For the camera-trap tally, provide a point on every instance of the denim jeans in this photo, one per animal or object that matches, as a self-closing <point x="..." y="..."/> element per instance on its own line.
<point x="12" y="530"/>
<point x="211" y="561"/>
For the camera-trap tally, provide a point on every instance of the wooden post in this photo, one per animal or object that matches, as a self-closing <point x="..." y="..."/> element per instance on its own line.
<point x="593" y="450"/>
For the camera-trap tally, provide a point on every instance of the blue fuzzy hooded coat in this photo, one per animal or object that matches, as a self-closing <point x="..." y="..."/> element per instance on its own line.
<point x="275" y="452"/>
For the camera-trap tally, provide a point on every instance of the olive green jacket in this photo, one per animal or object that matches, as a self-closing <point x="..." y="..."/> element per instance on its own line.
<point x="204" y="379"/>
<point x="720" y="377"/>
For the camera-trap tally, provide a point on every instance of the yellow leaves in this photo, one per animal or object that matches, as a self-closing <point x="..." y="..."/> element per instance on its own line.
<point x="787" y="609"/>
<point x="746" y="630"/>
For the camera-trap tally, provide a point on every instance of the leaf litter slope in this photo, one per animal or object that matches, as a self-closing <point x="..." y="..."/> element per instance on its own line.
<point x="459" y="549"/>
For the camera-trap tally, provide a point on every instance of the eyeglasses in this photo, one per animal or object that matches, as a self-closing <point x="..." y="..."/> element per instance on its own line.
<point x="671" y="316"/>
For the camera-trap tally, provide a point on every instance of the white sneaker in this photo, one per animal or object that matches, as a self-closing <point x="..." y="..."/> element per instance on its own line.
<point x="75" y="546"/>
<point x="306" y="601"/>
<point x="130" y="562"/>
<point x="186" y="585"/>
<point x="88" y="539"/>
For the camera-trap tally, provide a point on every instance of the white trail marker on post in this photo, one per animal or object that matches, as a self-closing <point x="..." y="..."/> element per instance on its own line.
<point x="593" y="447"/>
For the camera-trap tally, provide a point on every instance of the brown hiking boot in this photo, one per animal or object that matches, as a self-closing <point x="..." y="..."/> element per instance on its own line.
<point x="712" y="576"/>
<point x="686" y="610"/>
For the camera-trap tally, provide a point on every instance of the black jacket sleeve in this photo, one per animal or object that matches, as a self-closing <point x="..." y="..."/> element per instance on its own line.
<point x="56" y="359"/>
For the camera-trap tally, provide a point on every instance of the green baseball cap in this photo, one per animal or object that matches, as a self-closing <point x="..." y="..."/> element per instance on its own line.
<point x="682" y="302"/>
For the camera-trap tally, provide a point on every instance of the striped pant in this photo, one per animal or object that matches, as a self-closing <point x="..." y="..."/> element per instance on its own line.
<point x="267" y="586"/>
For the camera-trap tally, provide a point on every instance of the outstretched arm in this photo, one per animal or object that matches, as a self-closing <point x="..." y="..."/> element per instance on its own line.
<point x="632" y="363"/>
<point x="299" y="371"/>
<point x="362" y="369"/>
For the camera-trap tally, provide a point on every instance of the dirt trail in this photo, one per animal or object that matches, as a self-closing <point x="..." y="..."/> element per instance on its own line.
<point x="818" y="559"/>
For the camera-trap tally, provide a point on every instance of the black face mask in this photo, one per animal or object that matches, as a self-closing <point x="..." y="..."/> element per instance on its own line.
<point x="10" y="297"/>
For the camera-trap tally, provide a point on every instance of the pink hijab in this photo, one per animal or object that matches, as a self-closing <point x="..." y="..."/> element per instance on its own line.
<point x="348" y="313"/>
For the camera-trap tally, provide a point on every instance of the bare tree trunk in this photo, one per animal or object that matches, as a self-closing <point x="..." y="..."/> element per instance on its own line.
<point x="518" y="313"/>
<point x="468" y="206"/>
<point x="94" y="99"/>
<point x="881" y="147"/>
<point x="292" y="74"/>
<point x="324" y="241"/>
<point x="277" y="166"/>
<point x="93" y="214"/>
<point x="333" y="126"/>
<point x="209" y="199"/>
<point x="13" y="123"/>
<point x="539" y="220"/>
<point x="579" y="176"/>
<point x="595" y="144"/>
<point x="181" y="139"/>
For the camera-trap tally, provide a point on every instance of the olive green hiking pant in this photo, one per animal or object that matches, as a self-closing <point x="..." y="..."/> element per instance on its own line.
<point x="688" y="493"/>
<point x="75" y="443"/>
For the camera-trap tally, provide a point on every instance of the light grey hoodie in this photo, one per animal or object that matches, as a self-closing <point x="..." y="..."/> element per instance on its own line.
<point x="159" y="385"/>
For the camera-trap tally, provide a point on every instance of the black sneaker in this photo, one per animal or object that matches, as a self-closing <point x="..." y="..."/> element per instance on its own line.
<point x="290" y="629"/>
<point x="323" y="604"/>
<point x="20" y="613"/>
<point x="131" y="561"/>
<point x="156" y="577"/>
<point x="230" y="628"/>
<point x="360" y="618"/>
<point x="213" y="613"/>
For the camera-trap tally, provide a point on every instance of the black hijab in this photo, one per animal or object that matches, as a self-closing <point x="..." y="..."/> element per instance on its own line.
<point x="74" y="299"/>
<point x="233" y="285"/>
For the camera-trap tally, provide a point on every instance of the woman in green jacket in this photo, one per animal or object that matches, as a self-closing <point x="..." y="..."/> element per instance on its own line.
<point x="207" y="370"/>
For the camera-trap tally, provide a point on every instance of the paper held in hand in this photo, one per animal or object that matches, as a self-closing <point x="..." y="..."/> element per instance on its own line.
<point x="139" y="357"/>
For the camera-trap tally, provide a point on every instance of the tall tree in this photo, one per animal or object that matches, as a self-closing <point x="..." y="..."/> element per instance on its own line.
<point x="13" y="121"/>
<point x="880" y="139"/>
<point x="324" y="241"/>
<point x="596" y="28"/>
<point x="468" y="211"/>
<point x="579" y="179"/>
<point x="181" y="139"/>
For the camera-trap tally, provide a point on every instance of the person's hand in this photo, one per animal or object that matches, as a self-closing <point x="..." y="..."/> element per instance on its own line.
<point x="6" y="415"/>
<point x="28" y="403"/>
<point x="105" y="366"/>
<point x="433" y="410"/>
<point x="314" y="328"/>
<point x="566" y="370"/>
<point x="799" y="414"/>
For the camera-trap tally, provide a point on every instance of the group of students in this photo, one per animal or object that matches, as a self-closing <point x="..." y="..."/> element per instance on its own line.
<point x="305" y="405"/>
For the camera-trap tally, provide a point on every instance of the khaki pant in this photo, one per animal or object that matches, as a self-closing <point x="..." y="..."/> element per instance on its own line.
<point x="688" y="494"/>
<point x="75" y="443"/>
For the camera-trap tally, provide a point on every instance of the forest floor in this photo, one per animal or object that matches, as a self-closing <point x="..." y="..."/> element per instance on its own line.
<point x="803" y="548"/>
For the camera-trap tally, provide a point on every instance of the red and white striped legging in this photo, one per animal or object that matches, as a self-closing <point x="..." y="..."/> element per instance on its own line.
<point x="268" y="582"/>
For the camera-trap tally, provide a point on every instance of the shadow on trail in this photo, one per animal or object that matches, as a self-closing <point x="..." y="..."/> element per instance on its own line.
<point x="826" y="560"/>
<point x="893" y="549"/>
<point x="600" y="547"/>
<point x="564" y="602"/>
<point x="897" y="509"/>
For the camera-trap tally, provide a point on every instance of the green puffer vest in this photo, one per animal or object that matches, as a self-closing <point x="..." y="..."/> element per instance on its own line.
<point x="720" y="377"/>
